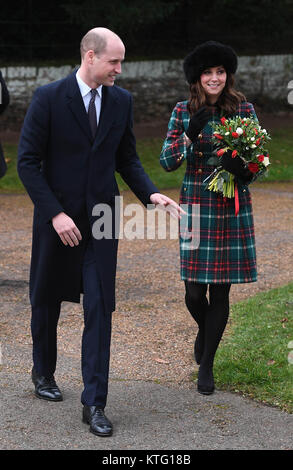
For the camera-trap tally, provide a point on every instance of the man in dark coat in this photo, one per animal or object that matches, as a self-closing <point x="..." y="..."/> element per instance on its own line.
<point x="4" y="102"/>
<point x="76" y="134"/>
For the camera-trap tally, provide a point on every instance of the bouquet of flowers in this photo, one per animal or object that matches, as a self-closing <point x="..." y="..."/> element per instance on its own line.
<point x="245" y="138"/>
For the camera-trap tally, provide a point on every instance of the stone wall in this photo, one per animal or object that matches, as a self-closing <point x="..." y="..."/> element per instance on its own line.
<point x="157" y="85"/>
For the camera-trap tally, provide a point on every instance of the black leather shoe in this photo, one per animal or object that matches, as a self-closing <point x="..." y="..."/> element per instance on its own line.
<point x="46" y="387"/>
<point x="99" y="423"/>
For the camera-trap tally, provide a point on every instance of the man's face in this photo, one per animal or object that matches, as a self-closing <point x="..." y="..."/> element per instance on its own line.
<point x="107" y="65"/>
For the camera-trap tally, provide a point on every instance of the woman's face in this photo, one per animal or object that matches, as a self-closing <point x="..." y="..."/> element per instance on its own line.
<point x="213" y="81"/>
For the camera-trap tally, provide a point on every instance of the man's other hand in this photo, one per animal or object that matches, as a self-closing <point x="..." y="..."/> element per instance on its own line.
<point x="66" y="229"/>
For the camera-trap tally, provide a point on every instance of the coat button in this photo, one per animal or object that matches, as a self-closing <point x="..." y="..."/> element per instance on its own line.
<point x="199" y="171"/>
<point x="200" y="136"/>
<point x="200" y="154"/>
<point x="185" y="189"/>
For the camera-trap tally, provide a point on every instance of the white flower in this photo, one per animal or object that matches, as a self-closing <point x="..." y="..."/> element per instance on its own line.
<point x="239" y="131"/>
<point x="253" y="146"/>
<point x="266" y="161"/>
<point x="252" y="139"/>
<point x="227" y="133"/>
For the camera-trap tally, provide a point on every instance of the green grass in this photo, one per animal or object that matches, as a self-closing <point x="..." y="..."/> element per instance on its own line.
<point x="281" y="153"/>
<point x="253" y="356"/>
<point x="149" y="152"/>
<point x="11" y="183"/>
<point x="280" y="149"/>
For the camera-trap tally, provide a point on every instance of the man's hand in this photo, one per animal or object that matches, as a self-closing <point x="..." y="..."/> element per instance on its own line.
<point x="66" y="229"/>
<point x="169" y="205"/>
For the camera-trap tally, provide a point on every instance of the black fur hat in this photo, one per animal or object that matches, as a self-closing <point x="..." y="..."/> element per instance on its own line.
<point x="209" y="54"/>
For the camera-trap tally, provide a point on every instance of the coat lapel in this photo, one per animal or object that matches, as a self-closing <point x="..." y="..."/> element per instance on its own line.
<point x="107" y="116"/>
<point x="75" y="103"/>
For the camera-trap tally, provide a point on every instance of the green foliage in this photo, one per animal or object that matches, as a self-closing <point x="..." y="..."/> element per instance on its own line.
<point x="31" y="30"/>
<point x="120" y="16"/>
<point x="125" y="18"/>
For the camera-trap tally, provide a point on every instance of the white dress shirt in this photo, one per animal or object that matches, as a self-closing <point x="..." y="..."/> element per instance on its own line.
<point x="85" y="91"/>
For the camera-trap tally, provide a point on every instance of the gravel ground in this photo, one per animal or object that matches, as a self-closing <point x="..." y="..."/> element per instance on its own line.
<point x="153" y="334"/>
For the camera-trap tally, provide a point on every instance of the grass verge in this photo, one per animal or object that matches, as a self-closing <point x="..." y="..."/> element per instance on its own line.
<point x="254" y="357"/>
<point x="11" y="183"/>
<point x="280" y="149"/>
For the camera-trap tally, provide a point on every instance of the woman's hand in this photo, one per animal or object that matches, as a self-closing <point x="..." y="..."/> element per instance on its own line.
<point x="236" y="166"/>
<point x="197" y="123"/>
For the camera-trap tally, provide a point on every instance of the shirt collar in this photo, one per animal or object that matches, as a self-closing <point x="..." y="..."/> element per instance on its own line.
<point x="84" y="88"/>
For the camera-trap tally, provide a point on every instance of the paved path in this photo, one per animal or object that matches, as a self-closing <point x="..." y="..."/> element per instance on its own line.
<point x="152" y="401"/>
<point x="145" y="415"/>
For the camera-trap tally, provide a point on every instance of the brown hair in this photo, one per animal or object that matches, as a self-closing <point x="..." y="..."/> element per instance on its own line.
<point x="228" y="101"/>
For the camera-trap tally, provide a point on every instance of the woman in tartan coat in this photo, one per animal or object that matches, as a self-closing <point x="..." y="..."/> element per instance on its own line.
<point x="226" y="251"/>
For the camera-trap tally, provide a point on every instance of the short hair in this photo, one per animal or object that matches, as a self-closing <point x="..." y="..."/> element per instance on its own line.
<point x="92" y="41"/>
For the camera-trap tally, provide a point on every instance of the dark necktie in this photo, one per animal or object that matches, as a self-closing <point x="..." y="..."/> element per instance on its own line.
<point x="92" y="113"/>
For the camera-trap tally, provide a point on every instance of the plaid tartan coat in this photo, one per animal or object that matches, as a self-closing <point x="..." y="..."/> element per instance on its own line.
<point x="222" y="247"/>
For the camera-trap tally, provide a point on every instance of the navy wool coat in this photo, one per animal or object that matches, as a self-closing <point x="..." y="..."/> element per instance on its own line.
<point x="65" y="170"/>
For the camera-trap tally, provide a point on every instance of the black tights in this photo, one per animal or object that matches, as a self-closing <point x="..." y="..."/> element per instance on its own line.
<point x="211" y="318"/>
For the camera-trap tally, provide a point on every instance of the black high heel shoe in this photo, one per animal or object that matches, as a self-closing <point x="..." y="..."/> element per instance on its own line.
<point x="205" y="381"/>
